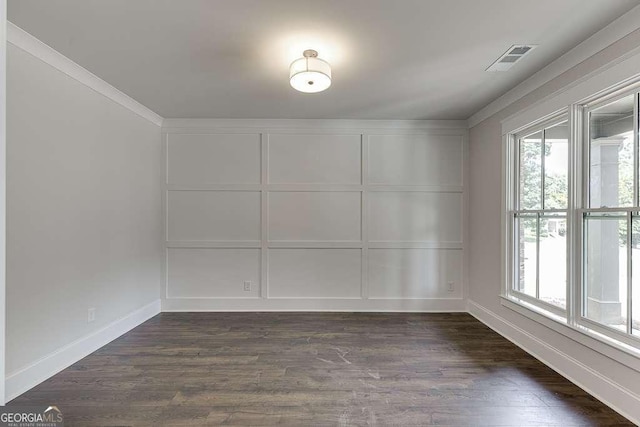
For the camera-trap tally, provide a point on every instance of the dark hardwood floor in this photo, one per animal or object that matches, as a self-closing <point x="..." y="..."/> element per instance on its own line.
<point x="315" y="369"/>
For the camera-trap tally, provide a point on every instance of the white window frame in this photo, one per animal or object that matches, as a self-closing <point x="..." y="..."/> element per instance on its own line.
<point x="570" y="322"/>
<point x="584" y="141"/>
<point x="514" y="211"/>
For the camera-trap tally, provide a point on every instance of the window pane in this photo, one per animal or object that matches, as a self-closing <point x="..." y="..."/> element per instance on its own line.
<point x="606" y="270"/>
<point x="531" y="171"/>
<point x="526" y="238"/>
<point x="556" y="165"/>
<point x="611" y="156"/>
<point x="635" y="276"/>
<point x="553" y="261"/>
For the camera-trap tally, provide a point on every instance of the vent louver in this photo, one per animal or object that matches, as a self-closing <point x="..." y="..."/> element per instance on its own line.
<point x="514" y="54"/>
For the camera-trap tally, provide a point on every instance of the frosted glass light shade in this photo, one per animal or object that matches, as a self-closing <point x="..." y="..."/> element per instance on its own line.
<point x="310" y="74"/>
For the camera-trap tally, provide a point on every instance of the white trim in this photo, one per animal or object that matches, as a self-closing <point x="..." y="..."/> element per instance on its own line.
<point x="512" y="211"/>
<point x="607" y="346"/>
<point x="25" y="41"/>
<point x="614" y="395"/>
<point x="310" y="126"/>
<point x="44" y="368"/>
<point x="3" y="194"/>
<point x="613" y="32"/>
<point x="615" y="75"/>
<point x="264" y="219"/>
<point x="283" y="188"/>
<point x="363" y="129"/>
<point x="466" y="215"/>
<point x="364" y="216"/>
<point x="620" y="79"/>
<point x="433" y="305"/>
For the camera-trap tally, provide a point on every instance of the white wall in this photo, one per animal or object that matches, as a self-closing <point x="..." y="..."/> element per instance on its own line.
<point x="83" y="214"/>
<point x="612" y="375"/>
<point x="317" y="215"/>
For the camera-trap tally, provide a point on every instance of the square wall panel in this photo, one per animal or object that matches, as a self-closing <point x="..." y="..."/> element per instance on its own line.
<point x="213" y="159"/>
<point x="315" y="159"/>
<point x="315" y="215"/>
<point x="315" y="273"/>
<point x="415" y="216"/>
<point x="213" y="273"/>
<point x="415" y="273"/>
<point x="416" y="159"/>
<point x="213" y="215"/>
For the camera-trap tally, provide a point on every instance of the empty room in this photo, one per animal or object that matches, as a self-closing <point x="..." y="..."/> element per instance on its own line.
<point x="319" y="213"/>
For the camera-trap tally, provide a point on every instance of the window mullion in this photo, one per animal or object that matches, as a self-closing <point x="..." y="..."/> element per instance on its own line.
<point x="575" y="200"/>
<point x="585" y="148"/>
<point x="538" y="256"/>
<point x="517" y="176"/>
<point x="629" y="270"/>
<point x="636" y="201"/>
<point x="543" y="146"/>
<point x="513" y="201"/>
<point x="635" y="151"/>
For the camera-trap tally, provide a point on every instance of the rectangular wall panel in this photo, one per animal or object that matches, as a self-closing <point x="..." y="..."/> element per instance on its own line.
<point x="314" y="215"/>
<point x="213" y="273"/>
<point x="415" y="273"/>
<point x="314" y="273"/>
<point x="415" y="216"/>
<point x="213" y="215"/>
<point x="317" y="159"/>
<point x="213" y="159"/>
<point x="416" y="159"/>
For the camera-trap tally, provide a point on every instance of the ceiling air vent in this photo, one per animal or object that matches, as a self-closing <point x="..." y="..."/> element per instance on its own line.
<point x="514" y="54"/>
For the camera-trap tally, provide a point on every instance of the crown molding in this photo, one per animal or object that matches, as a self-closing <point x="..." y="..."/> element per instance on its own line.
<point x="610" y="34"/>
<point x="25" y="41"/>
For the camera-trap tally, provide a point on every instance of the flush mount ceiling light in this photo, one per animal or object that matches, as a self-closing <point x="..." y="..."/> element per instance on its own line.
<point x="310" y="74"/>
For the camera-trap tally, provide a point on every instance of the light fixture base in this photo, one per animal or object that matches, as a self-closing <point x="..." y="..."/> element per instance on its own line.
<point x="310" y="53"/>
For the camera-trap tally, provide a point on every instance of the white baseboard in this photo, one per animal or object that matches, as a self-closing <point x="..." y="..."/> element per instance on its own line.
<point x="32" y="375"/>
<point x="612" y="394"/>
<point x="433" y="305"/>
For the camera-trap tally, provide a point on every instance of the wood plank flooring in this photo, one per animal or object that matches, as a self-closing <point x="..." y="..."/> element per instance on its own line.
<point x="308" y="369"/>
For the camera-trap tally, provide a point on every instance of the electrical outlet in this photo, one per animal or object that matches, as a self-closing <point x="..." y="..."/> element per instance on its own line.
<point x="91" y="316"/>
<point x="247" y="286"/>
<point x="451" y="287"/>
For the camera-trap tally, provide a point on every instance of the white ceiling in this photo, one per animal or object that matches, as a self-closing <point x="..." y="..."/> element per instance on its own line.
<point x="392" y="59"/>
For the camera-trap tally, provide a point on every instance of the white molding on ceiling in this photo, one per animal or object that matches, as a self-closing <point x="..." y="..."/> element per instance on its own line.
<point x="25" y="41"/>
<point x="307" y="124"/>
<point x="610" y="34"/>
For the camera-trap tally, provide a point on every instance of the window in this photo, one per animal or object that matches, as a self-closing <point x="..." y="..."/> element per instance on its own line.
<point x="573" y="216"/>
<point x="611" y="225"/>
<point x="540" y="215"/>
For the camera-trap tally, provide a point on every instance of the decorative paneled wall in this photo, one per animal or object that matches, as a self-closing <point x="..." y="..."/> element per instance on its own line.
<point x="314" y="215"/>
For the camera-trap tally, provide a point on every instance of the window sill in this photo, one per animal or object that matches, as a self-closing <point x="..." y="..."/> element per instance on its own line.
<point x="609" y="347"/>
